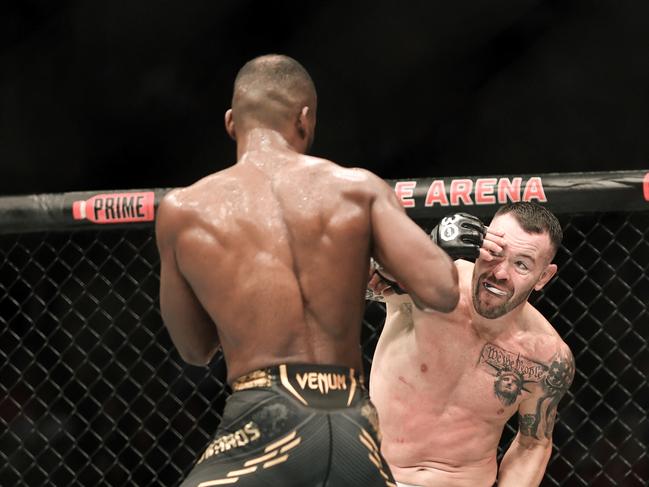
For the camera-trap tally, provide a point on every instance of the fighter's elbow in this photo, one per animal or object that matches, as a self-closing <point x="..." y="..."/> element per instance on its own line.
<point x="198" y="352"/>
<point x="447" y="299"/>
<point x="441" y="301"/>
<point x="451" y="291"/>
<point x="443" y="295"/>
<point x="450" y="299"/>
<point x="199" y="358"/>
<point x="533" y="443"/>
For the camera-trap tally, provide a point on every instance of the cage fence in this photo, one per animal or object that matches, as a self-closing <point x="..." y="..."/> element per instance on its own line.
<point x="93" y="393"/>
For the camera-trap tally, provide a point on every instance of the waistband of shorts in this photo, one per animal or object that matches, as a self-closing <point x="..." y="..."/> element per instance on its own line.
<point x="267" y="377"/>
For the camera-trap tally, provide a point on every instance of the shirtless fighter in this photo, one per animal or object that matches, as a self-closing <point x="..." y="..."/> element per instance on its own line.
<point x="445" y="384"/>
<point x="269" y="259"/>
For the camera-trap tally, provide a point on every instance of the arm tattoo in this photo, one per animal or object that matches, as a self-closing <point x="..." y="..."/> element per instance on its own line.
<point x="406" y="308"/>
<point x="526" y="424"/>
<point x="554" y="385"/>
<point x="406" y="311"/>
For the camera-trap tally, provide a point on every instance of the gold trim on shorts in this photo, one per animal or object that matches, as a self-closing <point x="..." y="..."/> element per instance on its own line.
<point x="256" y="378"/>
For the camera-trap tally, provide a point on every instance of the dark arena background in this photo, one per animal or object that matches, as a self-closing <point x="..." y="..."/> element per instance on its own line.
<point x="459" y="105"/>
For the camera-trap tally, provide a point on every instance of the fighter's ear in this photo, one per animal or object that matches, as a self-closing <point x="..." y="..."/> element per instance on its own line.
<point x="306" y="126"/>
<point x="303" y="122"/>
<point x="547" y="274"/>
<point x="229" y="124"/>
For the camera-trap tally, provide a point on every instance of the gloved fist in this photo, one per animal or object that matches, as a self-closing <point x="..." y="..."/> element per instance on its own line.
<point x="460" y="235"/>
<point x="380" y="282"/>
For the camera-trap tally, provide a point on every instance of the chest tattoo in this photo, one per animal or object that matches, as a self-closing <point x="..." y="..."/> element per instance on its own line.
<point x="513" y="372"/>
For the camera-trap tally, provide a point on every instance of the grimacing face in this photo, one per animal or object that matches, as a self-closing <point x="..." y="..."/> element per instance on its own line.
<point x="501" y="285"/>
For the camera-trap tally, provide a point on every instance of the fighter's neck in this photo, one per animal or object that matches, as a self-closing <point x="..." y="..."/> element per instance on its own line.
<point x="498" y="327"/>
<point x="261" y="139"/>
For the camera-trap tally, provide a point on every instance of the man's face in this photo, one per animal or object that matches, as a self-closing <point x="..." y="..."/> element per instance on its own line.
<point x="501" y="285"/>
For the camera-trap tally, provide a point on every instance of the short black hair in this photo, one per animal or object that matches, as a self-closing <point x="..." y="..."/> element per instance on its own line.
<point x="276" y="68"/>
<point x="272" y="88"/>
<point x="535" y="218"/>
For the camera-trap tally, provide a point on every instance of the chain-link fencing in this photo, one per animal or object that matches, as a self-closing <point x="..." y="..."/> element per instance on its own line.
<point x="93" y="393"/>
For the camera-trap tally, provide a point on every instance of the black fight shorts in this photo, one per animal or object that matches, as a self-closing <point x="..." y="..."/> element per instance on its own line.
<point x="295" y="425"/>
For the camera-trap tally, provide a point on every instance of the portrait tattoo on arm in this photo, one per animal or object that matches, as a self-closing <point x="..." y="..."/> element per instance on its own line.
<point x="554" y="385"/>
<point x="546" y="383"/>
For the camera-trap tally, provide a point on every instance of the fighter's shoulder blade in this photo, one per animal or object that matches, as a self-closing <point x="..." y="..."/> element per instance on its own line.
<point x="354" y="174"/>
<point x="356" y="179"/>
<point x="174" y="202"/>
<point x="169" y="214"/>
<point x="368" y="182"/>
<point x="178" y="205"/>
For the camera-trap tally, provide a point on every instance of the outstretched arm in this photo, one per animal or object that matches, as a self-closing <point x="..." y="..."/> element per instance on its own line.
<point x="191" y="329"/>
<point x="460" y="236"/>
<point x="527" y="457"/>
<point x="424" y="271"/>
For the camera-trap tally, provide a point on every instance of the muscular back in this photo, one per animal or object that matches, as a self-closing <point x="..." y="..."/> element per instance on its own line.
<point x="276" y="251"/>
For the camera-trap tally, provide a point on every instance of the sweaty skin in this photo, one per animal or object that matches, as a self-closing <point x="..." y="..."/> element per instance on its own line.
<point x="446" y="384"/>
<point x="269" y="258"/>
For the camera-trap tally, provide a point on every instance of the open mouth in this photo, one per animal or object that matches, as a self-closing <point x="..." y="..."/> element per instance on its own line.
<point x="494" y="290"/>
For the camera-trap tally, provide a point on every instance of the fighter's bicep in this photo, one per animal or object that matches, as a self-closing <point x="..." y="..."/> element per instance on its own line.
<point x="391" y="228"/>
<point x="536" y="422"/>
<point x="176" y="297"/>
<point x="188" y="323"/>
<point x="174" y="290"/>
<point x="537" y="413"/>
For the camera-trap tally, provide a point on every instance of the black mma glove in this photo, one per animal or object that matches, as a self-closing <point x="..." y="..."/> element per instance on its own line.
<point x="460" y="236"/>
<point x="376" y="268"/>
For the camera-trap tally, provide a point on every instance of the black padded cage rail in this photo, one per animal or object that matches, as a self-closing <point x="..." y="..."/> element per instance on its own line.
<point x="93" y="393"/>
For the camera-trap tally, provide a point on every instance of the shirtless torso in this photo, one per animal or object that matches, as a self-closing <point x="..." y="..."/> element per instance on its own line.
<point x="276" y="249"/>
<point x="445" y="386"/>
<point x="268" y="260"/>
<point x="274" y="255"/>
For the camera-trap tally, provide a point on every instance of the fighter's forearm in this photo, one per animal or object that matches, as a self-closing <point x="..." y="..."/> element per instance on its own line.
<point x="524" y="465"/>
<point x="196" y="342"/>
<point x="191" y="329"/>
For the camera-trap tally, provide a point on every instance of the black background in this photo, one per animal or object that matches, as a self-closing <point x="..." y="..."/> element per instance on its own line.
<point x="107" y="94"/>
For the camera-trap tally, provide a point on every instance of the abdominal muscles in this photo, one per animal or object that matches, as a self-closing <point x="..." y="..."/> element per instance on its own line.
<point x="435" y="424"/>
